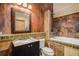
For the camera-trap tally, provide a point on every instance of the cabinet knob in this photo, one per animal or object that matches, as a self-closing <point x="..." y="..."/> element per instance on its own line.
<point x="28" y="45"/>
<point x="31" y="45"/>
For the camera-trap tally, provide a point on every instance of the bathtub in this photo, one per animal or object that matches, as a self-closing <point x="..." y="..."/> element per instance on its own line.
<point x="70" y="45"/>
<point x="69" y="40"/>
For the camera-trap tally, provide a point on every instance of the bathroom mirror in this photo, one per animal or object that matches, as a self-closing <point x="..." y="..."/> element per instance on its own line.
<point x="20" y="21"/>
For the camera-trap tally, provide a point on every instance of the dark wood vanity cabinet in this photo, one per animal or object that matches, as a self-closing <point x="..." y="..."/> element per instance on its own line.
<point x="31" y="49"/>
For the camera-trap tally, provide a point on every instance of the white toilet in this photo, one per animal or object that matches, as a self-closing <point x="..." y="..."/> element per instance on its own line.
<point x="45" y="51"/>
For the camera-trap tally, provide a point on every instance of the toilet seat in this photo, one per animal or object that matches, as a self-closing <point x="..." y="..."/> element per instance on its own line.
<point x="47" y="51"/>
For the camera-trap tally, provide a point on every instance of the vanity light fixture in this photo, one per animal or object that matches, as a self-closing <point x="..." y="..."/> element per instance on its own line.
<point x="25" y="5"/>
<point x="19" y="3"/>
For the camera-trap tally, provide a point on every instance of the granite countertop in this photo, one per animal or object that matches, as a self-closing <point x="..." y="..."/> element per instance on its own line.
<point x="73" y="42"/>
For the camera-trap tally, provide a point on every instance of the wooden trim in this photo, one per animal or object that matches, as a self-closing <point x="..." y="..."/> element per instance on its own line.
<point x="12" y="20"/>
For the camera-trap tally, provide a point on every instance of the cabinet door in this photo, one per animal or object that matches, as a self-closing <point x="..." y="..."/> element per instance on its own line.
<point x="18" y="51"/>
<point x="27" y="50"/>
<point x="32" y="49"/>
<point x="35" y="49"/>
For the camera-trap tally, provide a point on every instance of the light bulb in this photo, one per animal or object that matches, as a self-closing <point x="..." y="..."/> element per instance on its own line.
<point x="24" y="5"/>
<point x="29" y="7"/>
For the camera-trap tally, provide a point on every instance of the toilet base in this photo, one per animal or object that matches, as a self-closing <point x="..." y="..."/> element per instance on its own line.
<point x="46" y="51"/>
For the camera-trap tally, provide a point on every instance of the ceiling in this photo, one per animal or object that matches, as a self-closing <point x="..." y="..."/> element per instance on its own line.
<point x="58" y="6"/>
<point x="60" y="9"/>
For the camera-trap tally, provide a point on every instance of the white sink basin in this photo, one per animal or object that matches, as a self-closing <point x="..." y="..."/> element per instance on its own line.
<point x="23" y="41"/>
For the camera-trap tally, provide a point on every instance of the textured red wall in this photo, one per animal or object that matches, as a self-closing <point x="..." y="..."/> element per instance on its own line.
<point x="37" y="18"/>
<point x="1" y="17"/>
<point x="5" y="21"/>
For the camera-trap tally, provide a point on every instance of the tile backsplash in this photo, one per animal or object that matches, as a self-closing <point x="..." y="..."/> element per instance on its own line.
<point x="66" y="25"/>
<point x="22" y="36"/>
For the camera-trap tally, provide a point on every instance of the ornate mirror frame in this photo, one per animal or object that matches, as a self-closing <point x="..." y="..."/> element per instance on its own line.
<point x="20" y="21"/>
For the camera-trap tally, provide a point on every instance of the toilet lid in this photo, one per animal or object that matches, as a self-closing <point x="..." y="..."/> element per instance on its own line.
<point x="46" y="49"/>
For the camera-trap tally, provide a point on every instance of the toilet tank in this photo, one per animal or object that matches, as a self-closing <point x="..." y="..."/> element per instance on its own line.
<point x="42" y="43"/>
